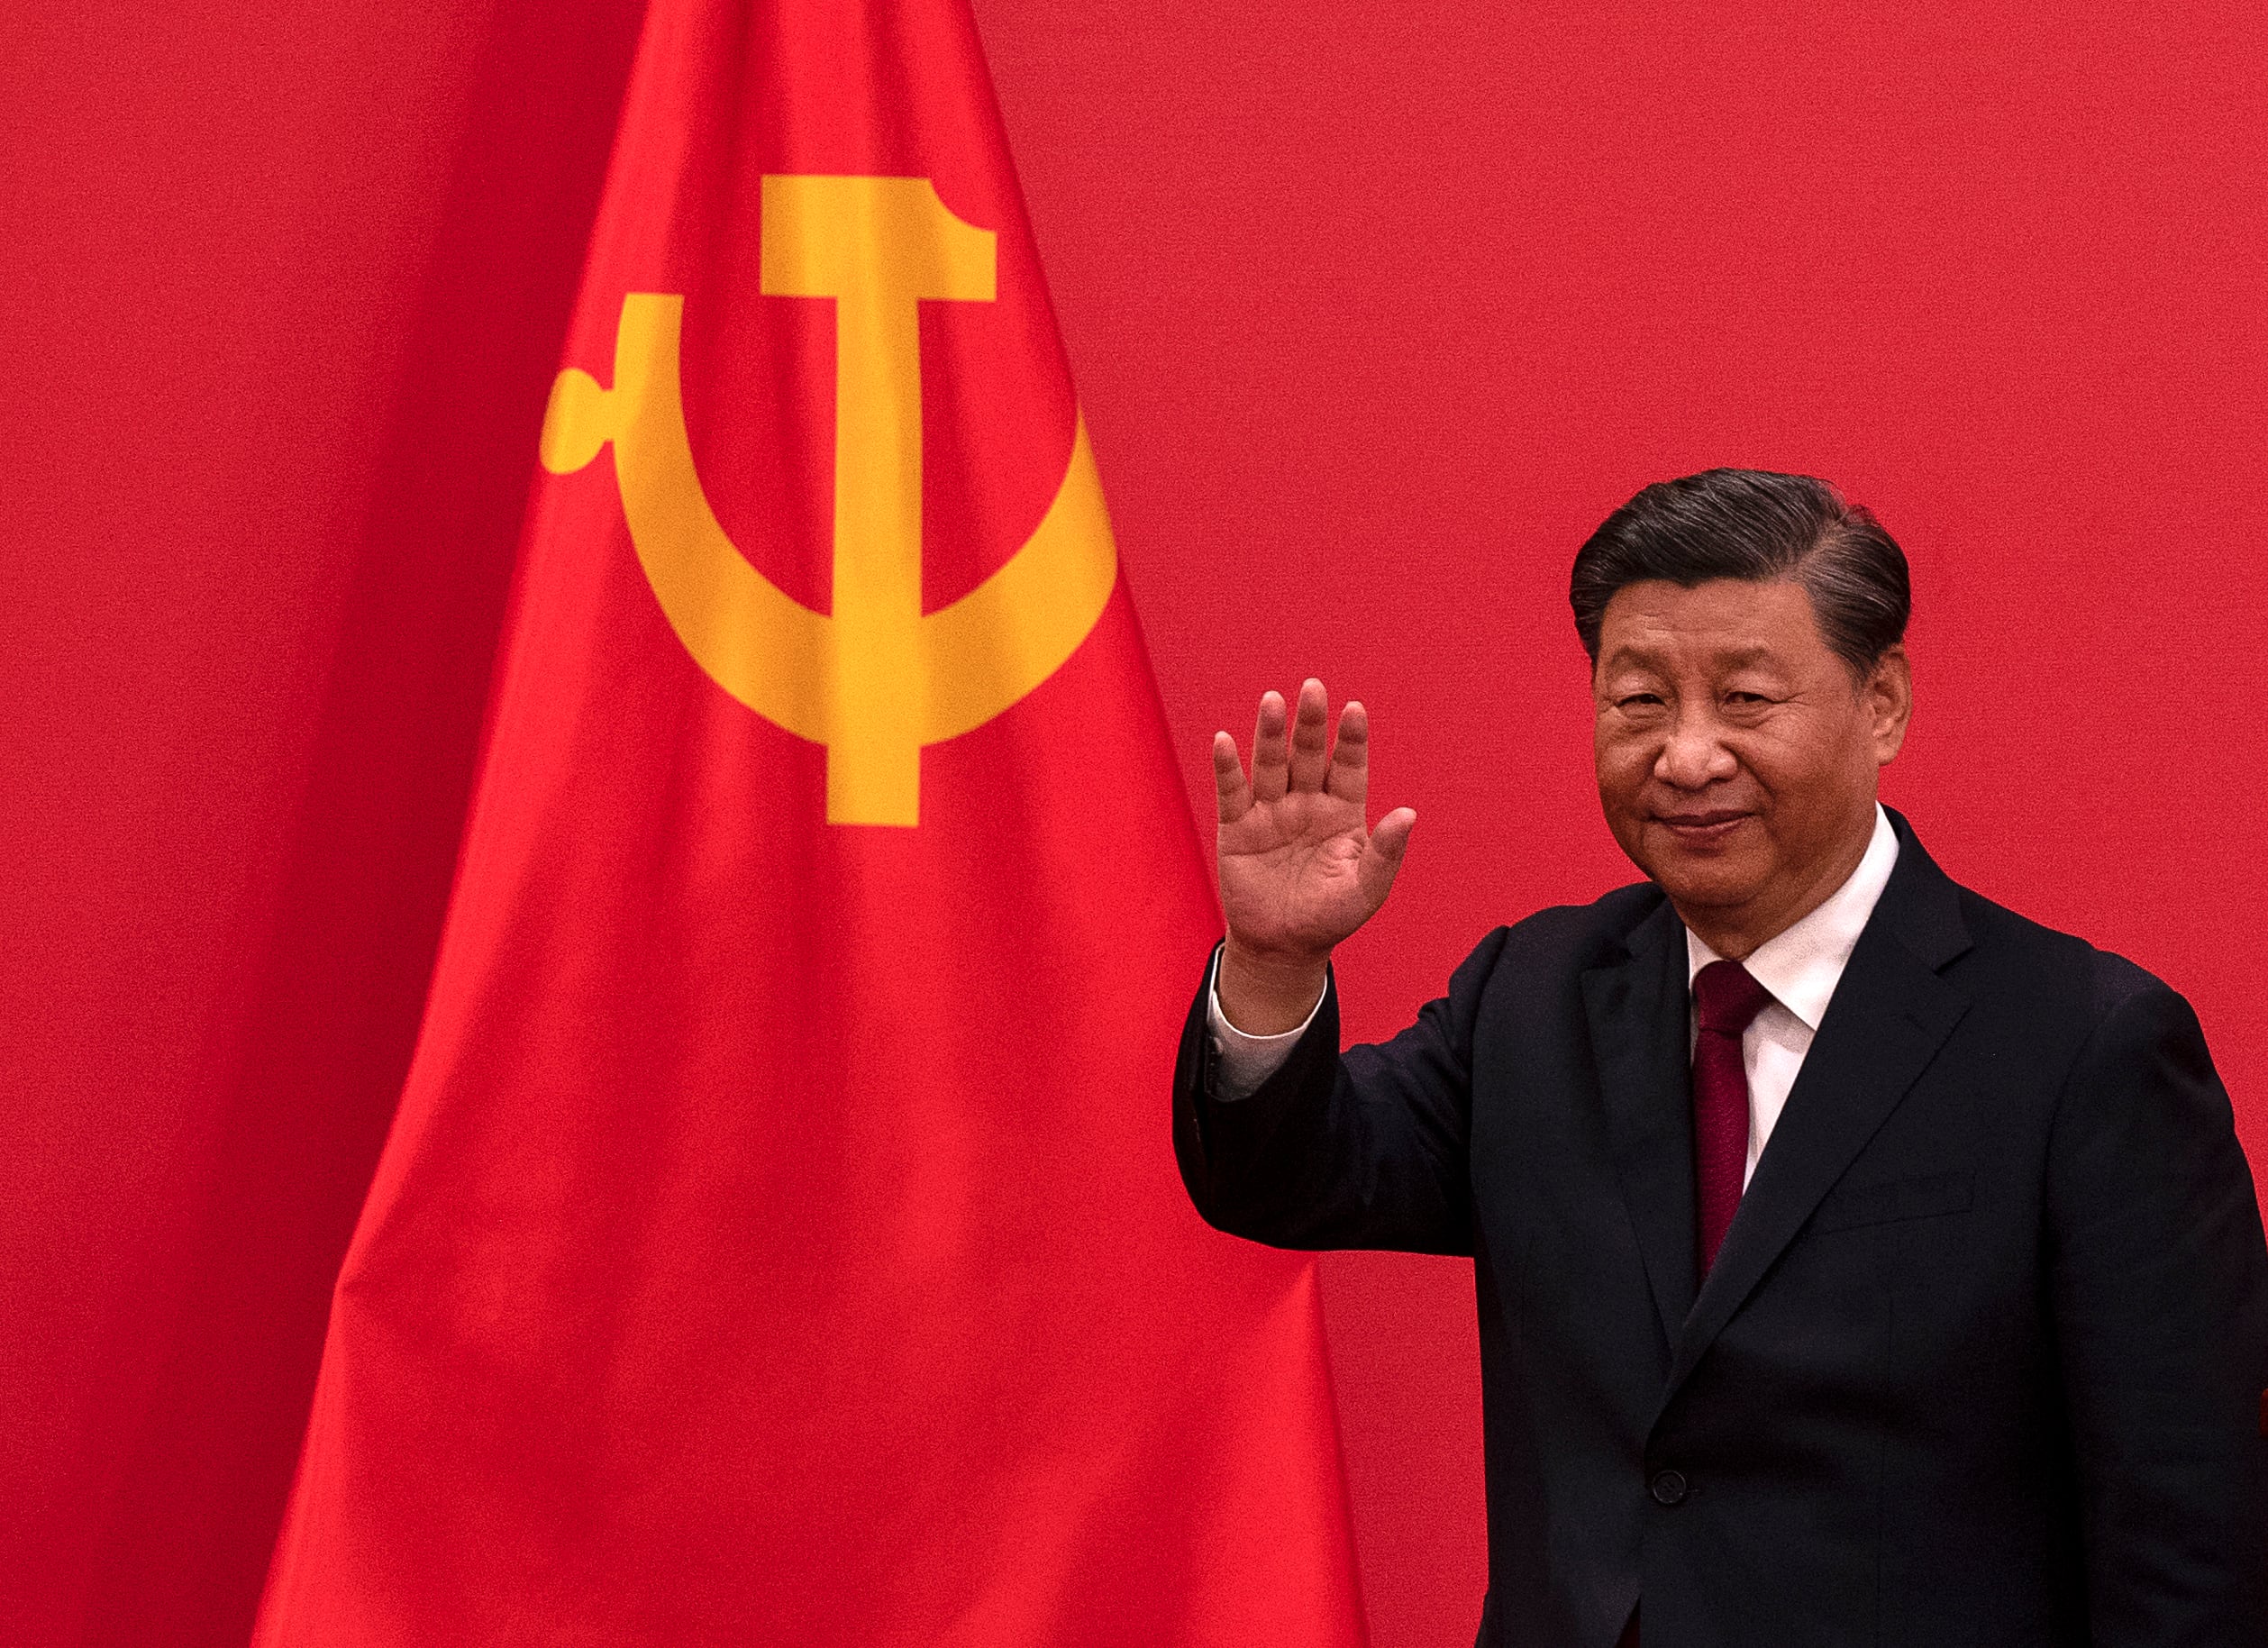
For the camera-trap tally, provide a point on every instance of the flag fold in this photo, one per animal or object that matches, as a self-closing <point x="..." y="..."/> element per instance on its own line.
<point x="778" y="1240"/>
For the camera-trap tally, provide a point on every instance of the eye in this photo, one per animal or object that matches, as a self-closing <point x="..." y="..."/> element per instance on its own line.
<point x="1638" y="700"/>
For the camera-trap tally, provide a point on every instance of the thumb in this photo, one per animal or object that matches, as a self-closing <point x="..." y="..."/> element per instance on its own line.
<point x="1382" y="854"/>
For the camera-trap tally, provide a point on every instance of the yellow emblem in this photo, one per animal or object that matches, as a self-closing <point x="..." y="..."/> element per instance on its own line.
<point x="877" y="678"/>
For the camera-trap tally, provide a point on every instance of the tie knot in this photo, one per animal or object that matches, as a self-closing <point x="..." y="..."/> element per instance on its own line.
<point x="1726" y="997"/>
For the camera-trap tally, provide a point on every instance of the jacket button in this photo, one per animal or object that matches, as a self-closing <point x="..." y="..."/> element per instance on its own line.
<point x="1669" y="1487"/>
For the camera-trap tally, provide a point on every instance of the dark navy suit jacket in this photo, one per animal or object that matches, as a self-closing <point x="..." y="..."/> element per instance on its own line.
<point x="1981" y="1360"/>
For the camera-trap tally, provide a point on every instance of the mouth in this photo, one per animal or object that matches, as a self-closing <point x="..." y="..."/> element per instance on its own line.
<point x="1702" y="828"/>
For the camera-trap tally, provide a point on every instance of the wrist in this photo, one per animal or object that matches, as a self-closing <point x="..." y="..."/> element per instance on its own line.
<point x="1269" y="993"/>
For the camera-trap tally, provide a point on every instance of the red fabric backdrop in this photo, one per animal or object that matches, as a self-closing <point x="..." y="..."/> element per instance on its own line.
<point x="1375" y="311"/>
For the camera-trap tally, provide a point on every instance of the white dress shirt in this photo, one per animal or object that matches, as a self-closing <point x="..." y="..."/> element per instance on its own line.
<point x="1800" y="967"/>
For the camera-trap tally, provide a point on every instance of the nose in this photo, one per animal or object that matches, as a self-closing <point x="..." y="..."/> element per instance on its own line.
<point x="1694" y="756"/>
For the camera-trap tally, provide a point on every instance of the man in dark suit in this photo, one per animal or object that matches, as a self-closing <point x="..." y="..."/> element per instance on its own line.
<point x="1856" y="1260"/>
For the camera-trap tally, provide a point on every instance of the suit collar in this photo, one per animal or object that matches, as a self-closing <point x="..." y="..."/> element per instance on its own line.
<point x="1921" y="906"/>
<point x="1636" y="1009"/>
<point x="1889" y="1015"/>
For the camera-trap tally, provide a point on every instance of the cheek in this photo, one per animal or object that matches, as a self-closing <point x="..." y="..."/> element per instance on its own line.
<point x="1767" y="757"/>
<point x="1623" y="762"/>
<point x="1801" y="770"/>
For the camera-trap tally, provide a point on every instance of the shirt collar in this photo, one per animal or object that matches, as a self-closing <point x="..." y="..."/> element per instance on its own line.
<point x="1802" y="966"/>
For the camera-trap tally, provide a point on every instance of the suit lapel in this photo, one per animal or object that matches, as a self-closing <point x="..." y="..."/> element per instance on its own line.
<point x="1889" y="1015"/>
<point x="1637" y="1012"/>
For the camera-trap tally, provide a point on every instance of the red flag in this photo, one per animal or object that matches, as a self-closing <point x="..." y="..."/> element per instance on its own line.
<point x="779" y="1240"/>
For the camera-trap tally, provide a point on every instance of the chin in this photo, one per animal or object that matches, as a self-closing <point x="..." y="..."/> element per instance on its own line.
<point x="1705" y="881"/>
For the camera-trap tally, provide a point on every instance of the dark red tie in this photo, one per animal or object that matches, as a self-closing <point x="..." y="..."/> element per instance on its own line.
<point x="1725" y="999"/>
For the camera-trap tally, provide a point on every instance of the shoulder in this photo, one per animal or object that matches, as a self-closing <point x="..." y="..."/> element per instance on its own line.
<point x="1570" y="938"/>
<point x="1603" y="927"/>
<point x="2115" y="983"/>
<point x="1535" y="965"/>
<point x="2065" y="993"/>
<point x="2100" y="982"/>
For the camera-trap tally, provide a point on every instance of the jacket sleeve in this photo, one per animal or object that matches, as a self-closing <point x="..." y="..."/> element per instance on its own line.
<point x="1362" y="1150"/>
<point x="2159" y="1284"/>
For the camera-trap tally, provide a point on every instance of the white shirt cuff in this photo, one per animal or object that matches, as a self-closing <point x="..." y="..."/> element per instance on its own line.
<point x="1241" y="1062"/>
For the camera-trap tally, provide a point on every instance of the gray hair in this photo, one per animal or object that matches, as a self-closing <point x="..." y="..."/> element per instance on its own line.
<point x="1760" y="526"/>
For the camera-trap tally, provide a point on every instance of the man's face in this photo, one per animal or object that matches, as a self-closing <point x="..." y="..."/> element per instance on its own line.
<point x="1737" y="757"/>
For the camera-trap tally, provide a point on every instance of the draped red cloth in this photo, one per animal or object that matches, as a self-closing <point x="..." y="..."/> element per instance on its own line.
<point x="780" y="1238"/>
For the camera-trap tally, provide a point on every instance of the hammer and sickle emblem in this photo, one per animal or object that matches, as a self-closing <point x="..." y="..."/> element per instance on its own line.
<point x="877" y="678"/>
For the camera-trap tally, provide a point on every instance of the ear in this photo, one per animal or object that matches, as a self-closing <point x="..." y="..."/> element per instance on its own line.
<point x="1889" y="697"/>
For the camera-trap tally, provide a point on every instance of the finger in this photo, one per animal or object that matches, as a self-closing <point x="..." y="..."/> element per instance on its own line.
<point x="1350" y="775"/>
<point x="1381" y="859"/>
<point x="1234" y="795"/>
<point x="1271" y="758"/>
<point x="1310" y="736"/>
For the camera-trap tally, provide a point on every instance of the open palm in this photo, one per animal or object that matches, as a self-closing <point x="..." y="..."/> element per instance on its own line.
<point x="1300" y="868"/>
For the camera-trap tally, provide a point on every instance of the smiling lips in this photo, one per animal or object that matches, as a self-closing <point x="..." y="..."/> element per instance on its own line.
<point x="1701" y="829"/>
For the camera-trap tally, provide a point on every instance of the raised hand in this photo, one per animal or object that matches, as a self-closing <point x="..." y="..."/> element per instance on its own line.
<point x="1299" y="868"/>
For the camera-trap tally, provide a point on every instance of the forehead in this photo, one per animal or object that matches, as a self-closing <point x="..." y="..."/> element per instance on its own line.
<point x="1724" y="621"/>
